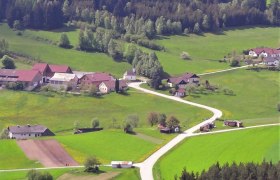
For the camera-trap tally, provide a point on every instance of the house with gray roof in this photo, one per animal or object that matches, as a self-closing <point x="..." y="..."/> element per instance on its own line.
<point x="28" y="131"/>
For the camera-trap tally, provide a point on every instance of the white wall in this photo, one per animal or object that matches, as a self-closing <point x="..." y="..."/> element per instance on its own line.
<point x="23" y="136"/>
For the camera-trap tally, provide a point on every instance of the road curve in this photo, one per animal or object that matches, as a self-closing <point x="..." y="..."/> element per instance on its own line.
<point x="146" y="167"/>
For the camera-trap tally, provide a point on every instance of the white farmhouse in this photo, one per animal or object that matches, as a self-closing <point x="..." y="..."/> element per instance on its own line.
<point x="28" y="131"/>
<point x="130" y="75"/>
<point x="121" y="164"/>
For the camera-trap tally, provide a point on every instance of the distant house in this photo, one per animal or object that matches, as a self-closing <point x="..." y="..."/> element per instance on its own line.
<point x="184" y="80"/>
<point x="130" y="75"/>
<point x="180" y="92"/>
<point x="233" y="123"/>
<point x="48" y="70"/>
<point x="29" y="78"/>
<point x="264" y="52"/>
<point x="271" y="61"/>
<point x="207" y="127"/>
<point x="95" y="79"/>
<point x="63" y="80"/>
<point x="28" y="131"/>
<point x="110" y="86"/>
<point x="121" y="164"/>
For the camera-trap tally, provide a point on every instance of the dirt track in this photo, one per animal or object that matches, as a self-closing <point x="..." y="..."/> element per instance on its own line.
<point x="48" y="152"/>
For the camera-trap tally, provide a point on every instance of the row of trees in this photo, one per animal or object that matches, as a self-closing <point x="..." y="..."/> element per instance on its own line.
<point x="155" y="118"/>
<point x="264" y="170"/>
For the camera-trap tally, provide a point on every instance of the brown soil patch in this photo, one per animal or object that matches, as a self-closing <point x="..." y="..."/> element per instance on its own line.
<point x="103" y="176"/>
<point x="48" y="152"/>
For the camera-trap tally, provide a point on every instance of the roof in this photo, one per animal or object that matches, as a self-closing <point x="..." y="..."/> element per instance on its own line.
<point x="8" y="72"/>
<point x="267" y="50"/>
<point x="63" y="77"/>
<point x="80" y="74"/>
<point x="59" y="68"/>
<point x="122" y="162"/>
<point x="270" y="59"/>
<point x="185" y="77"/>
<point x="110" y="84"/>
<point x="98" y="77"/>
<point x="40" y="67"/>
<point x="27" y="75"/>
<point x="122" y="83"/>
<point x="27" y="129"/>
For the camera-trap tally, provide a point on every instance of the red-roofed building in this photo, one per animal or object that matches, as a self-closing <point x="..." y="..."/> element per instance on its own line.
<point x="265" y="52"/>
<point x="182" y="81"/>
<point x="95" y="79"/>
<point x="30" y="78"/>
<point x="48" y="70"/>
<point x="110" y="86"/>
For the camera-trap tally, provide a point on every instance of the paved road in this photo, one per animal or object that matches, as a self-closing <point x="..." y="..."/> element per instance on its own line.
<point x="146" y="168"/>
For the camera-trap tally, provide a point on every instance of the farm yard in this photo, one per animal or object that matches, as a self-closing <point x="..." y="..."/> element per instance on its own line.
<point x="198" y="153"/>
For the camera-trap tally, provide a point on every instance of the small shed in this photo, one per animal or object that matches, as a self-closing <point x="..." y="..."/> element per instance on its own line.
<point x="233" y="123"/>
<point x="122" y="164"/>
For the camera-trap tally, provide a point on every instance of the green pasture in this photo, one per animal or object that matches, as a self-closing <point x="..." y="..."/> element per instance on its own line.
<point x="198" y="153"/>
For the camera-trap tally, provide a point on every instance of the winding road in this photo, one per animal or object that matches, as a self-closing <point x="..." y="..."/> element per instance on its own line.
<point x="146" y="167"/>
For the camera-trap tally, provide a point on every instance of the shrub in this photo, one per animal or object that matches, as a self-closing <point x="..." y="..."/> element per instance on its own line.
<point x="8" y="62"/>
<point x="234" y="63"/>
<point x="35" y="175"/>
<point x="4" y="134"/>
<point x="94" y="123"/>
<point x="185" y="56"/>
<point x="16" y="86"/>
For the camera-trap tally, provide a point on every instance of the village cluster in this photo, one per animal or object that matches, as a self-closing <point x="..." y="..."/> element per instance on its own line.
<point x="269" y="56"/>
<point x="61" y="77"/>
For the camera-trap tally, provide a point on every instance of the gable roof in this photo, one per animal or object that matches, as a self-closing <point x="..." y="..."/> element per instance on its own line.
<point x="8" y="72"/>
<point x="27" y="75"/>
<point x="40" y="67"/>
<point x="184" y="78"/>
<point x="110" y="84"/>
<point x="98" y="77"/>
<point x="269" y="51"/>
<point x="27" y="129"/>
<point x="59" y="68"/>
<point x="63" y="77"/>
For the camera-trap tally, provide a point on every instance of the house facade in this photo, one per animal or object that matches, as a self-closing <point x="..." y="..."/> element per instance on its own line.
<point x="28" y="131"/>
<point x="110" y="86"/>
<point x="63" y="81"/>
<point x="184" y="80"/>
<point x="130" y="75"/>
<point x="95" y="79"/>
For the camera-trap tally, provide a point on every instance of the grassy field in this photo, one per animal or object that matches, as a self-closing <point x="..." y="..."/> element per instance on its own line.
<point x="40" y="49"/>
<point x="256" y="95"/>
<point x="198" y="153"/>
<point x="125" y="174"/>
<point x="60" y="112"/>
<point x="207" y="49"/>
<point x="107" y="145"/>
<point x="11" y="156"/>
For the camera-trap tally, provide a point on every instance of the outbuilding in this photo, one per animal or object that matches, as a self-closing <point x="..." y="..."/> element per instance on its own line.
<point x="28" y="131"/>
<point x="122" y="164"/>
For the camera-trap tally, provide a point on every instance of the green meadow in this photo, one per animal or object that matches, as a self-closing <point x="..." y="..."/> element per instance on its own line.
<point x="59" y="113"/>
<point x="256" y="95"/>
<point x="108" y="145"/>
<point x="124" y="174"/>
<point x="39" y="48"/>
<point x="198" y="153"/>
<point x="12" y="157"/>
<point x="205" y="50"/>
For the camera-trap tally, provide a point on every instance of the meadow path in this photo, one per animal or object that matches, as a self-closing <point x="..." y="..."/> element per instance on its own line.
<point x="146" y="167"/>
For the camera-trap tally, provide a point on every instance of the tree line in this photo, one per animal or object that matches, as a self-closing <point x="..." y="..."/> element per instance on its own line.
<point x="249" y="171"/>
<point x="142" y="16"/>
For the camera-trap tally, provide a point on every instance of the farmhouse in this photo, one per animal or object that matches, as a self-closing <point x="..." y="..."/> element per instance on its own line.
<point x="63" y="80"/>
<point x="48" y="70"/>
<point x="130" y="75"/>
<point x="271" y="61"/>
<point x="29" y="78"/>
<point x="110" y="86"/>
<point x="184" y="80"/>
<point x="95" y="79"/>
<point x="28" y="131"/>
<point x="233" y="123"/>
<point x="264" y="52"/>
<point x="121" y="164"/>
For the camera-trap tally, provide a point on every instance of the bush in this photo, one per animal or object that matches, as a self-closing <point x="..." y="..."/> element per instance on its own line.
<point x="16" y="86"/>
<point x="35" y="175"/>
<point x="8" y="62"/>
<point x="4" y="134"/>
<point x="94" y="123"/>
<point x="185" y="56"/>
<point x="278" y="106"/>
<point x="92" y="165"/>
<point x="234" y="63"/>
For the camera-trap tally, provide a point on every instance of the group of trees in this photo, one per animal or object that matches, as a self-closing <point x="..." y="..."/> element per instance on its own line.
<point x="36" y="175"/>
<point x="131" y="122"/>
<point x="264" y="170"/>
<point x="8" y="62"/>
<point x="155" y="118"/>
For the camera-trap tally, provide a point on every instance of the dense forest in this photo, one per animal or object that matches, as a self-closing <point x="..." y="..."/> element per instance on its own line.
<point x="249" y="171"/>
<point x="150" y="17"/>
